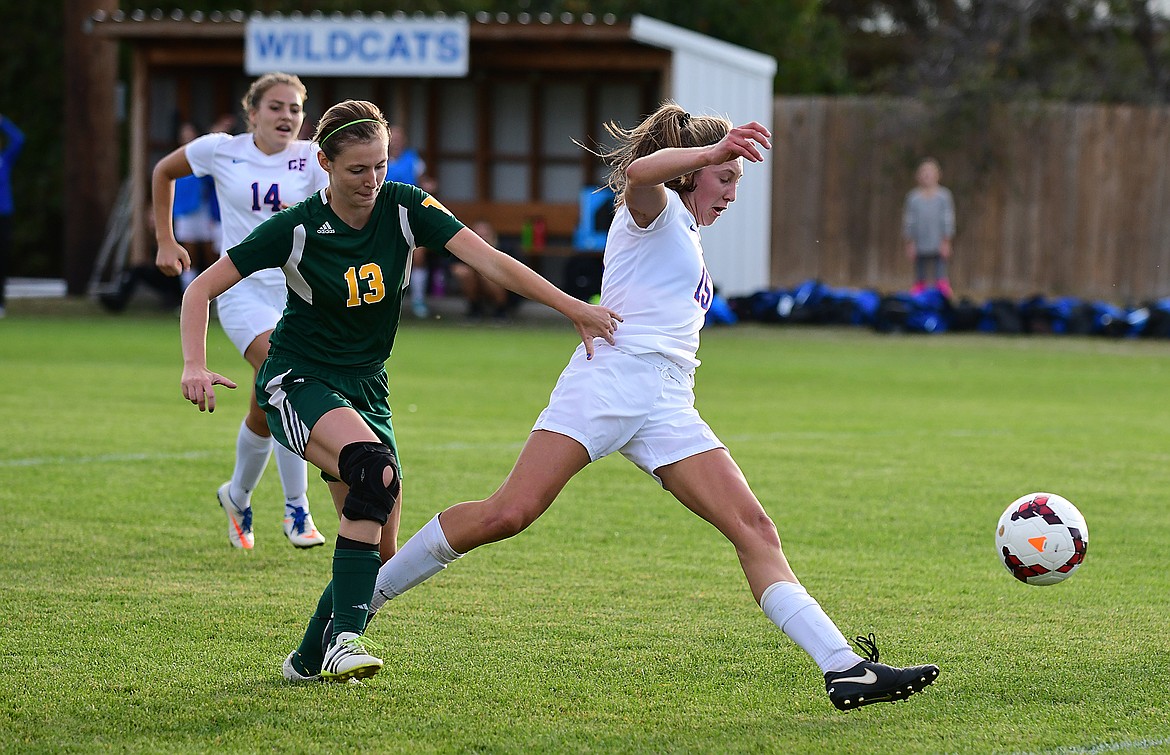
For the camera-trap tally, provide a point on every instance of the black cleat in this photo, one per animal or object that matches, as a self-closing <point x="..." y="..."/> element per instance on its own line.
<point x="871" y="682"/>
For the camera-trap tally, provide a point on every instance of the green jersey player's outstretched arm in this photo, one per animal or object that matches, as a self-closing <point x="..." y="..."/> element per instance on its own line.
<point x="198" y="382"/>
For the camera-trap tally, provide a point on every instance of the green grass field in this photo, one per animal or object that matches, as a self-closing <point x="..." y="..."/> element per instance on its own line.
<point x="618" y="622"/>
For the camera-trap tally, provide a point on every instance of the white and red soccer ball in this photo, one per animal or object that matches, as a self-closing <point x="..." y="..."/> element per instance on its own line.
<point x="1042" y="538"/>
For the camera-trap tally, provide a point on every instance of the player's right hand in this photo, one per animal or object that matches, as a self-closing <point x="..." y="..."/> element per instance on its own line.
<point x="198" y="387"/>
<point x="172" y="259"/>
<point x="742" y="141"/>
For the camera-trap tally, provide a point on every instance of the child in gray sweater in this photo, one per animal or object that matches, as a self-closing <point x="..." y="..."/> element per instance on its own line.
<point x="928" y="225"/>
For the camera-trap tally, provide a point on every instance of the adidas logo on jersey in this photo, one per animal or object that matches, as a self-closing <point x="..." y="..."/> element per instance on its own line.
<point x="325" y="228"/>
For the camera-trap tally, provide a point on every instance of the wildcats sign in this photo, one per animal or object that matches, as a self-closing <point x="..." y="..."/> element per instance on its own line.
<point x="323" y="47"/>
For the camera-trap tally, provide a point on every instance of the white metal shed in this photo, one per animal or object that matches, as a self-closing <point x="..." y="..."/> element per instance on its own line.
<point x="708" y="76"/>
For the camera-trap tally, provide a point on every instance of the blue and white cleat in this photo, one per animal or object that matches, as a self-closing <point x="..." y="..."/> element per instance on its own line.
<point x="239" y="520"/>
<point x="300" y="529"/>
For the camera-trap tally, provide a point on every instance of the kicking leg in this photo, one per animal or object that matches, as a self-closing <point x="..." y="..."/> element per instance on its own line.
<point x="712" y="485"/>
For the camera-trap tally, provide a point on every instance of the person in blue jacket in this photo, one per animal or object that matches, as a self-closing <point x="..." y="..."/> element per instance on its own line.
<point x="13" y="142"/>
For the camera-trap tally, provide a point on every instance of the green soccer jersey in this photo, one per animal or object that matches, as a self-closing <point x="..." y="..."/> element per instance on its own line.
<point x="344" y="285"/>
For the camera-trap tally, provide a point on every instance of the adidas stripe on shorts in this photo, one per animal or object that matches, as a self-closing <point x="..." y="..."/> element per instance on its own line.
<point x="294" y="394"/>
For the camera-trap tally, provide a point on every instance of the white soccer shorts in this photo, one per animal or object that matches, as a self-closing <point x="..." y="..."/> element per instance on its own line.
<point x="642" y="405"/>
<point x="249" y="308"/>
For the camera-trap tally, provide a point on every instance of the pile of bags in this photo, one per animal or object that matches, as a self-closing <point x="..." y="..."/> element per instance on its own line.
<point x="930" y="311"/>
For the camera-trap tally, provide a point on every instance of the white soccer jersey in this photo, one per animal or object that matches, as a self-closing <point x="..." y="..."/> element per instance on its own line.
<point x="250" y="186"/>
<point x="656" y="279"/>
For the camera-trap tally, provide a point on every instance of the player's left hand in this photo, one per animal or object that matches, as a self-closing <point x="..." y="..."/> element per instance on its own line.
<point x="198" y="387"/>
<point x="595" y="321"/>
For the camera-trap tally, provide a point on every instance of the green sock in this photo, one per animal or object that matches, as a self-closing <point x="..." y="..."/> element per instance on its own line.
<point x="354" y="575"/>
<point x="309" y="654"/>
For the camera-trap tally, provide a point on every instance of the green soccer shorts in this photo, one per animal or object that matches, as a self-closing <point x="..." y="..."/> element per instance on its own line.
<point x="294" y="394"/>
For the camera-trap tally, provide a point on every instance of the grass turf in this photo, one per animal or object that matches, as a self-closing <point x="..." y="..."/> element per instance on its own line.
<point x="618" y="622"/>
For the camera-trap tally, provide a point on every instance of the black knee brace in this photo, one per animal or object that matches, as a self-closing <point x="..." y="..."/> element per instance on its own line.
<point x="361" y="466"/>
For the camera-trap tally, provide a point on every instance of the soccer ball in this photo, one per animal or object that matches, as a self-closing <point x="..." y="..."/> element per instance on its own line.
<point x="1042" y="539"/>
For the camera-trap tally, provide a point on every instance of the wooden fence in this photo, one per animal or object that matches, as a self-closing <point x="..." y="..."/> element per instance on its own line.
<point x="1055" y="199"/>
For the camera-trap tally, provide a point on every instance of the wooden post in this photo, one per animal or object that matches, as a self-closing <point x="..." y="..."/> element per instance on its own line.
<point x="91" y="140"/>
<point x="140" y="170"/>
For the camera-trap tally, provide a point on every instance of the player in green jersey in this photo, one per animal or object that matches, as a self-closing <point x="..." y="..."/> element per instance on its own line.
<point x="345" y="252"/>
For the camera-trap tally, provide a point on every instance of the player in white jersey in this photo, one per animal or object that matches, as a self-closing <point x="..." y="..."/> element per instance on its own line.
<point x="672" y="175"/>
<point x="256" y="175"/>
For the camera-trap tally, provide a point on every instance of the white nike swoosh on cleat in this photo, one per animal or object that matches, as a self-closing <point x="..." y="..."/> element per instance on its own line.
<point x="869" y="677"/>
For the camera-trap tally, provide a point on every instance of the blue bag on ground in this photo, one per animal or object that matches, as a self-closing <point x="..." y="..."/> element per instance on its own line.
<point x="720" y="312"/>
<point x="928" y="311"/>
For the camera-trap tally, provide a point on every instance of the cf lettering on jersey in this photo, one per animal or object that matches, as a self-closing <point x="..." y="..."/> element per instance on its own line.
<point x="297" y="163"/>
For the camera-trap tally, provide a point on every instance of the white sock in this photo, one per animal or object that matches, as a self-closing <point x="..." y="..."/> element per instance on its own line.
<point x="791" y="608"/>
<point x="422" y="557"/>
<point x="294" y="478"/>
<point x="252" y="452"/>
<point x="418" y="284"/>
